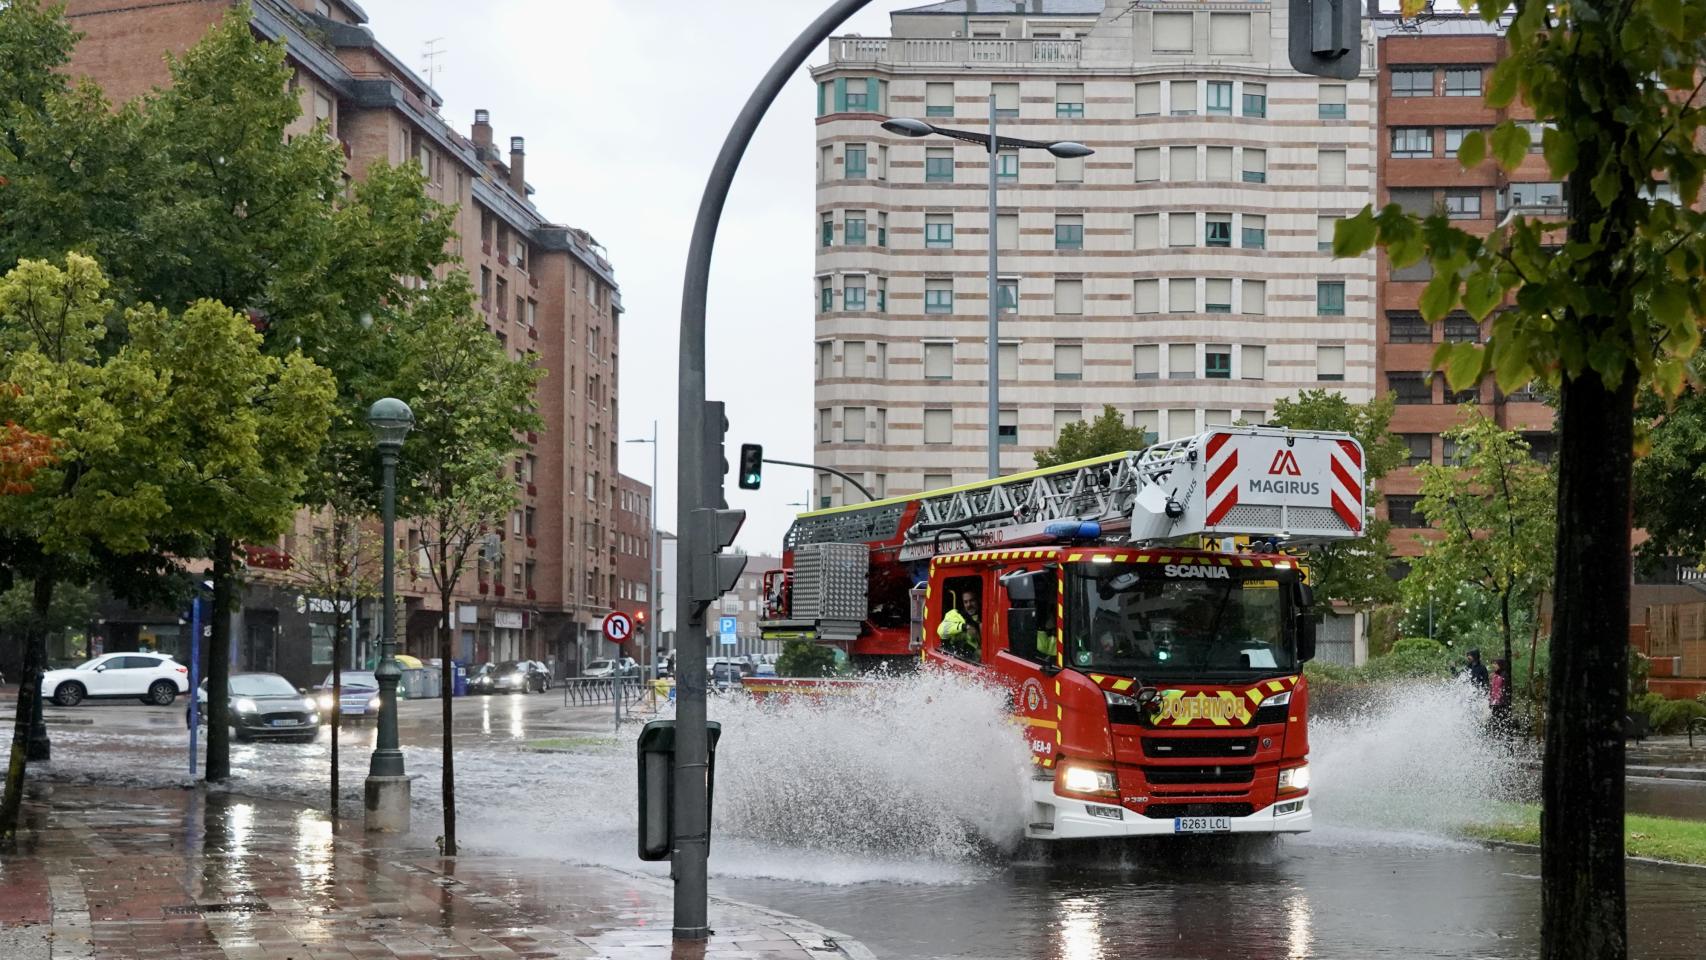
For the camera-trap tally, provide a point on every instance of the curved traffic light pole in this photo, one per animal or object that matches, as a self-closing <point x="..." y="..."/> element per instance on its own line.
<point x="698" y="488"/>
<point x="813" y="466"/>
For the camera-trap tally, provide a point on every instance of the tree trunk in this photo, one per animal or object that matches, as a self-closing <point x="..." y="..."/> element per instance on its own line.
<point x="1581" y="826"/>
<point x="445" y="688"/>
<point x="219" y="661"/>
<point x="40" y="747"/>
<point x="26" y="714"/>
<point x="1505" y="621"/>
<point x="342" y="623"/>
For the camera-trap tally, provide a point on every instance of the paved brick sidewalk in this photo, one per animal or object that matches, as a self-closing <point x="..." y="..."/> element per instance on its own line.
<point x="179" y="875"/>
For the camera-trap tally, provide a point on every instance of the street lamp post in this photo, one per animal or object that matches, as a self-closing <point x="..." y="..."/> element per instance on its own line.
<point x="992" y="142"/>
<point x="387" y="787"/>
<point x="652" y="557"/>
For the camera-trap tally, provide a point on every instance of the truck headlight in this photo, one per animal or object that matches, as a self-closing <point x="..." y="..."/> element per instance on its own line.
<point x="1089" y="780"/>
<point x="1294" y="778"/>
<point x="1278" y="700"/>
<point x="1118" y="699"/>
<point x="246" y="706"/>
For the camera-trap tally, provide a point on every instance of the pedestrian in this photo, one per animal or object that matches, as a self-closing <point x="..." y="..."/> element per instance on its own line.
<point x="1499" y="697"/>
<point x="1477" y="670"/>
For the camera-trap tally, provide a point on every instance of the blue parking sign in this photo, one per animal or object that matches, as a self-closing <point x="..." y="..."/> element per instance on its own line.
<point x="726" y="627"/>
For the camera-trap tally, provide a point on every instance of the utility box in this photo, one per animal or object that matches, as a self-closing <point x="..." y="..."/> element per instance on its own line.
<point x="657" y="785"/>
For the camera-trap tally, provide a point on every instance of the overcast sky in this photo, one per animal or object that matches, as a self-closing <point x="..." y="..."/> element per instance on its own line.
<point x="624" y="104"/>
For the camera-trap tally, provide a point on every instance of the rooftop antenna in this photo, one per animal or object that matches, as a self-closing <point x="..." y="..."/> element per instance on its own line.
<point x="429" y="60"/>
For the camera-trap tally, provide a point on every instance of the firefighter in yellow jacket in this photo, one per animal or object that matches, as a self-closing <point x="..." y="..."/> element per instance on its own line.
<point x="961" y="630"/>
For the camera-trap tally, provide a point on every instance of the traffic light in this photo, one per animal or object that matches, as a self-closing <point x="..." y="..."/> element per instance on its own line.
<point x="751" y="466"/>
<point x="1326" y="38"/>
<point x="640" y="617"/>
<point x="714" y="573"/>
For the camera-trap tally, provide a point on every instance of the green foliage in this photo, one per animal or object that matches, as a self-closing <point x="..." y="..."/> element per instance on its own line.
<point x="803" y="658"/>
<point x="1412" y="657"/>
<point x="1670" y="477"/>
<point x="1673" y="716"/>
<point x="1354" y="571"/>
<point x="72" y="606"/>
<point x="1082" y="440"/>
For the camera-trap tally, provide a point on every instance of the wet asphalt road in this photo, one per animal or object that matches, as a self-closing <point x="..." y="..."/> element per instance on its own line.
<point x="1341" y="892"/>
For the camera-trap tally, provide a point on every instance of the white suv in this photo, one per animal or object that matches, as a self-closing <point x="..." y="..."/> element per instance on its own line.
<point x="150" y="677"/>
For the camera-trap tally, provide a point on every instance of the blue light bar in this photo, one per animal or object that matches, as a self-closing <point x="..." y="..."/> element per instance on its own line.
<point x="1073" y="530"/>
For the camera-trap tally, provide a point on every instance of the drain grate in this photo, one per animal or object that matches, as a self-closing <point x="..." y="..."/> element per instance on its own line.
<point x="235" y="906"/>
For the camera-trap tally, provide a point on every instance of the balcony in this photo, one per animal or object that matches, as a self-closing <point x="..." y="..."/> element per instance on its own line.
<point x="897" y="50"/>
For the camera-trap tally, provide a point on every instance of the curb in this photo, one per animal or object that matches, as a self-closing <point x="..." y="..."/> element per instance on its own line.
<point x="1666" y="773"/>
<point x="1534" y="848"/>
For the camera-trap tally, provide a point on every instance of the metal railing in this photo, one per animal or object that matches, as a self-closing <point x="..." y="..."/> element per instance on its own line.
<point x="585" y="691"/>
<point x="893" y="50"/>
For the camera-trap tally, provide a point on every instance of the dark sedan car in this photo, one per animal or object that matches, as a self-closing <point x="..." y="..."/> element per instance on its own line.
<point x="510" y="676"/>
<point x="265" y="706"/>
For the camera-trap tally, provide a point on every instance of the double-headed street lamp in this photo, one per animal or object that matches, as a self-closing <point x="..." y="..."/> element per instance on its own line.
<point x="387" y="788"/>
<point x="652" y="625"/>
<point x="993" y="143"/>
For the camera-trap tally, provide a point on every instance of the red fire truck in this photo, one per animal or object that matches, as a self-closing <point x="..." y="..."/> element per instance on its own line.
<point x="1147" y="611"/>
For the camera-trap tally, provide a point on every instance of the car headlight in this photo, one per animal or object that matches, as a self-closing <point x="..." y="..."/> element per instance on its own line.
<point x="1090" y="780"/>
<point x="309" y="704"/>
<point x="325" y="701"/>
<point x="374" y="702"/>
<point x="1278" y="700"/>
<point x="1294" y="778"/>
<point x="246" y="706"/>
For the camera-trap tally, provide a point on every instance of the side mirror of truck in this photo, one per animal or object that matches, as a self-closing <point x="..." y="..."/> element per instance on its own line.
<point x="1305" y="638"/>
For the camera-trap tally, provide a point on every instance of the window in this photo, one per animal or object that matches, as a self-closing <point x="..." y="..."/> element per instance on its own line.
<point x="1330" y="101"/>
<point x="1324" y="227"/>
<point x="1068" y="232"/>
<point x="1416" y="200"/>
<point x="1463" y="81"/>
<point x="1410" y="388"/>
<point x="1068" y="297"/>
<point x="1229" y="33"/>
<point x="857" y="96"/>
<point x="939" y="231"/>
<point x="1068" y="100"/>
<point x="1543" y="195"/>
<point x="1462" y="328"/>
<point x="1145" y="361"/>
<point x="1463" y="204"/>
<point x="825" y="351"/>
<point x="1255" y="99"/>
<point x="882" y="229"/>
<point x="1420" y="448"/>
<point x="1146" y="231"/>
<point x="882" y="432"/>
<point x="1007" y="295"/>
<point x="853" y="425"/>
<point x="853" y="293"/>
<point x="938" y="361"/>
<point x="882" y="369"/>
<point x="938" y="99"/>
<point x="855" y="162"/>
<point x="1181" y="229"/>
<point x="939" y="165"/>
<point x="1007" y="428"/>
<point x="1217" y="230"/>
<point x="882" y="297"/>
<point x="825" y="163"/>
<point x="1536" y="134"/>
<point x="825" y="420"/>
<point x="1065" y="418"/>
<point x="1181" y="295"/>
<point x="1418" y="271"/>
<point x="1407" y="326"/>
<point x="322" y="106"/>
<point x="1450" y="450"/>
<point x="938" y="481"/>
<point x="1252" y="362"/>
<point x="882" y="163"/>
<point x="1183" y="97"/>
<point x="1006" y="99"/>
<point x="1068" y="361"/>
<point x="1413" y="82"/>
<point x="826" y="295"/>
<point x="938" y="296"/>
<point x="1255" y="229"/>
<point x="1542" y="447"/>
<point x="1330" y="363"/>
<point x="853" y="358"/>
<point x="1181" y="424"/>
<point x="1404" y="510"/>
<point x="853" y="230"/>
<point x="1171" y="32"/>
<point x="1219" y="163"/>
<point x="1147" y="164"/>
<point x="1069" y="170"/>
<point x="1255" y="165"/>
<point x="1217" y="418"/>
<point x="1217" y="365"/>
<point x="1455" y="397"/>
<point x="1410" y="143"/>
<point x="1217" y="295"/>
<point x="938" y="426"/>
<point x="1454" y="139"/>
<point x="1007" y="231"/>
<point x="1182" y="163"/>
<point x="1148" y="99"/>
<point x="1007" y="361"/>
<point x="1330" y="167"/>
<point x="1219" y="98"/>
<point x="1330" y="298"/>
<point x="1007" y="166"/>
<point x="1255" y="297"/>
<point x="1146" y="296"/>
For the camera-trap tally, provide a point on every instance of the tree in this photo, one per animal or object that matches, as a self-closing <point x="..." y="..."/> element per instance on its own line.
<point x="22" y="453"/>
<point x="1493" y="509"/>
<point x="1352" y="572"/>
<point x="1082" y="440"/>
<point x="470" y="402"/>
<point x="1616" y="301"/>
<point x="1671" y="476"/>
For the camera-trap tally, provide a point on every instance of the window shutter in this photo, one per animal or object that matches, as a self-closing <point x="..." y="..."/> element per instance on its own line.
<point x="1183" y="94"/>
<point x="1007" y="358"/>
<point x="1182" y="360"/>
<point x="1146" y="361"/>
<point x="1324" y="232"/>
<point x="1331" y="94"/>
<point x="1255" y="161"/>
<point x="1253" y="361"/>
<point x="1229" y="33"/>
<point x="1148" y="163"/>
<point x="1149" y="421"/>
<point x="1181" y="163"/>
<point x="1064" y="418"/>
<point x="1181" y="230"/>
<point x="1219" y="163"/>
<point x="939" y="96"/>
<point x="853" y="424"/>
<point x="1068" y="297"/>
<point x="1068" y="361"/>
<point x="1007" y="230"/>
<point x="1181" y="424"/>
<point x="853" y="358"/>
<point x="1182" y="295"/>
<point x="840" y="94"/>
<point x="1146" y="296"/>
<point x="1069" y="170"/>
<point x="938" y="426"/>
<point x="1332" y="167"/>
<point x="1217" y="291"/>
<point x="822" y="96"/>
<point x="1255" y="297"/>
<point x="1172" y="32"/>
<point x="1146" y="233"/>
<point x="1148" y="99"/>
<point x="938" y="360"/>
<point x="1330" y="362"/>
<point x="1006" y="96"/>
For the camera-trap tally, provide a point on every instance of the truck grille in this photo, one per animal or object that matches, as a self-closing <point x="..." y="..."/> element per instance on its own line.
<point x="1196" y="747"/>
<point x="1167" y="811"/>
<point x="1193" y="775"/>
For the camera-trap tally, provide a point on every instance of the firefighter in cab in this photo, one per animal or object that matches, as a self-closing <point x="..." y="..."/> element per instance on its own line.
<point x="961" y="630"/>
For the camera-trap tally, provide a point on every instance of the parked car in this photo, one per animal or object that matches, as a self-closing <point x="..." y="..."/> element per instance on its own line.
<point x="724" y="675"/>
<point x="150" y="677"/>
<point x="540" y="673"/>
<point x="264" y="706"/>
<point x="360" y="694"/>
<point x="622" y="667"/>
<point x="510" y="676"/>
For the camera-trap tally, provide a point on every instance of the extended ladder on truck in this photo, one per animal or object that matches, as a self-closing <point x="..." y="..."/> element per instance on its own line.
<point x="1262" y="482"/>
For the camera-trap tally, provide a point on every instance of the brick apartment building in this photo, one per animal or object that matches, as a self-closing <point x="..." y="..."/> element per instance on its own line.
<point x="634" y="564"/>
<point x="544" y="288"/>
<point x="1432" y="76"/>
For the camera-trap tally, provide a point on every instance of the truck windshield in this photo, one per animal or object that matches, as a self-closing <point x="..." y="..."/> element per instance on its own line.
<point x="1162" y="620"/>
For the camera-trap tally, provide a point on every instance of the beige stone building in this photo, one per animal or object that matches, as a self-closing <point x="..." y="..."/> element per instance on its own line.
<point x="1181" y="273"/>
<point x="544" y="584"/>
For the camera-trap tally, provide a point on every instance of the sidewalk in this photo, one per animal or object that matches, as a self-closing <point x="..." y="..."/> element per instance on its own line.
<point x="179" y="875"/>
<point x="1669" y="757"/>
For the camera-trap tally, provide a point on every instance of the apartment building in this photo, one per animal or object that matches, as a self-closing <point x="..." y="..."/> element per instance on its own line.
<point x="635" y="564"/>
<point x="1432" y="76"/>
<point x="746" y="604"/>
<point x="1182" y="273"/>
<point x="547" y="577"/>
